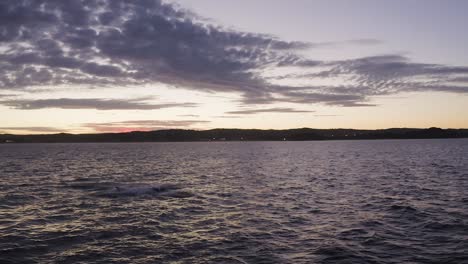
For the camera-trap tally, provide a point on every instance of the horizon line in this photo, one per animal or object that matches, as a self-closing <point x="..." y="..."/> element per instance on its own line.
<point x="220" y="128"/>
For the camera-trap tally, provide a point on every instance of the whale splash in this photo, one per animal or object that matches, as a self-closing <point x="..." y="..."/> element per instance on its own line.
<point x="112" y="190"/>
<point x="141" y="189"/>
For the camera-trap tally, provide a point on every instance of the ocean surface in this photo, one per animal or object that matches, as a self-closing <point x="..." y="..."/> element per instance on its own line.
<point x="383" y="201"/>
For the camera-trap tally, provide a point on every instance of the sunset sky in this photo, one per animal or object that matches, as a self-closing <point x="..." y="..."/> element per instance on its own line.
<point x="114" y="65"/>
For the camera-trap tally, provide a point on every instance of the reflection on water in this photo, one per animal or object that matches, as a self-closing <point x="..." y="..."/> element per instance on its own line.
<point x="235" y="202"/>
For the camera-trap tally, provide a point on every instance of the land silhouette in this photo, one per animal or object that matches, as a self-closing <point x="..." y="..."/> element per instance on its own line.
<point x="181" y="135"/>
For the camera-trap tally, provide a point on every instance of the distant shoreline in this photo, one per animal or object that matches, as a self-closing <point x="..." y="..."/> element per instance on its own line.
<point x="220" y="135"/>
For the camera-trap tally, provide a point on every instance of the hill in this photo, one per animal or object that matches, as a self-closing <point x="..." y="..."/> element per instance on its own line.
<point x="302" y="134"/>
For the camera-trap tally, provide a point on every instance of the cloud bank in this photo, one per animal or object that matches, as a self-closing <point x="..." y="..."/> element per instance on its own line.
<point x="268" y="110"/>
<point x="27" y="130"/>
<point x="117" y="127"/>
<point x="119" y="42"/>
<point x="142" y="125"/>
<point x="98" y="104"/>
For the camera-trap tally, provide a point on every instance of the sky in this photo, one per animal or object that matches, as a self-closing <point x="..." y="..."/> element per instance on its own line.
<point x="92" y="66"/>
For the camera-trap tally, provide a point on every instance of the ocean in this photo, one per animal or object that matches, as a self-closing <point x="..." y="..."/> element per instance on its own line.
<point x="381" y="201"/>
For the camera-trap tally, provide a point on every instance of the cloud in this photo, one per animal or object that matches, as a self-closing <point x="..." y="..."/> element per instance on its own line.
<point x="118" y="42"/>
<point x="108" y="42"/>
<point x="32" y="129"/>
<point x="142" y="125"/>
<point x="227" y="116"/>
<point x="267" y="110"/>
<point x="382" y="75"/>
<point x="98" y="104"/>
<point x="365" y="41"/>
<point x="360" y="42"/>
<point x="120" y="126"/>
<point x="7" y="95"/>
<point x="459" y="80"/>
<point x="189" y="115"/>
<point x="358" y="80"/>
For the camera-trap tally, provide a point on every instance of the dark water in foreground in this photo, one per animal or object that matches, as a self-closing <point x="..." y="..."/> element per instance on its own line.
<point x="235" y="202"/>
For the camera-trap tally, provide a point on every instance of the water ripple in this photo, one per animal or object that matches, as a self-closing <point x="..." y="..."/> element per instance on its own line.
<point x="235" y="202"/>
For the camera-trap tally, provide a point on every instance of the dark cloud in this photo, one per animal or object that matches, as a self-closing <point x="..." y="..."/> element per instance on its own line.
<point x="120" y="42"/>
<point x="361" y="79"/>
<point x="381" y="75"/>
<point x="98" y="104"/>
<point x="268" y="110"/>
<point x="142" y="125"/>
<point x="337" y="96"/>
<point x="103" y="41"/>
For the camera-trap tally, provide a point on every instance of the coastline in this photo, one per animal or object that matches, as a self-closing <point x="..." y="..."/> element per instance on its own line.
<point x="221" y="135"/>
